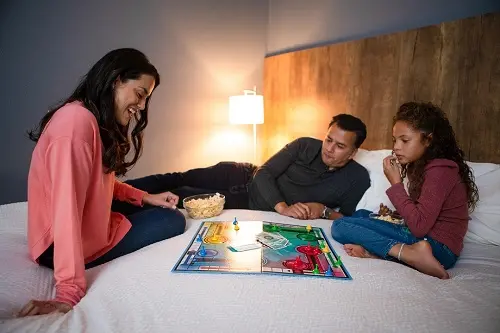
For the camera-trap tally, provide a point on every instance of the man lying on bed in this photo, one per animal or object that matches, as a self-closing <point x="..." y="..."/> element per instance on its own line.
<point x="307" y="179"/>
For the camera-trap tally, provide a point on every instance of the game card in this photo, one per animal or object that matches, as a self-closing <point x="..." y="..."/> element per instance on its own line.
<point x="272" y="240"/>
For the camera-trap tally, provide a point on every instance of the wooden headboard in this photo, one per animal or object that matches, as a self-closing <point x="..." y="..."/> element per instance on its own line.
<point x="455" y="65"/>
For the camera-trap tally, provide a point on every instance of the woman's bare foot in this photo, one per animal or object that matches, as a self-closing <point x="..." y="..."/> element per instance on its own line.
<point x="358" y="251"/>
<point x="419" y="256"/>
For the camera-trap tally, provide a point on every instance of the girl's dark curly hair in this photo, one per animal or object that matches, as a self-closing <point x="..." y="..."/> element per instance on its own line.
<point x="430" y="119"/>
<point x="96" y="92"/>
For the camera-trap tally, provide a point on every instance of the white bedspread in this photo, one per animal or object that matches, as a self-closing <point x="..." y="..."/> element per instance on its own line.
<point x="138" y="293"/>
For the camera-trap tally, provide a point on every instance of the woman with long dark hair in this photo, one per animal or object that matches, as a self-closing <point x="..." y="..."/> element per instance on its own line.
<point x="81" y="145"/>
<point x="436" y="208"/>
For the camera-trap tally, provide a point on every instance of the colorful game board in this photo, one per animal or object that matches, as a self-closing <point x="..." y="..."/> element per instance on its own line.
<point x="240" y="247"/>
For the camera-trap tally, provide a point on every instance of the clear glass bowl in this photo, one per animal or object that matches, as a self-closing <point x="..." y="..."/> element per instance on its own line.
<point x="203" y="206"/>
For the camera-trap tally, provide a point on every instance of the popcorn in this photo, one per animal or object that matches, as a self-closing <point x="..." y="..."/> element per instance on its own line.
<point x="198" y="208"/>
<point x="389" y="218"/>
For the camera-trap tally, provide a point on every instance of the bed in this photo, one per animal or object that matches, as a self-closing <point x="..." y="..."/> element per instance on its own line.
<point x="139" y="293"/>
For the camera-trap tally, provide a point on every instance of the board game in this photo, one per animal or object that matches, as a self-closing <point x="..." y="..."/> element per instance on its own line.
<point x="261" y="247"/>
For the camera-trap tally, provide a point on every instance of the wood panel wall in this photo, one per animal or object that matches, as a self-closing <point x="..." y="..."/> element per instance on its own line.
<point x="454" y="64"/>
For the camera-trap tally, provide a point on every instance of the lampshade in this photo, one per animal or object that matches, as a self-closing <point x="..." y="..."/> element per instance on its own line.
<point x="246" y="109"/>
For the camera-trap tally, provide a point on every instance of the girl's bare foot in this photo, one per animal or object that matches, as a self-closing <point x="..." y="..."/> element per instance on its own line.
<point x="419" y="256"/>
<point x="358" y="251"/>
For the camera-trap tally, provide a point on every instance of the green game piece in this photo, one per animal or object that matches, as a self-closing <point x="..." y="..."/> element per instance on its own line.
<point x="337" y="263"/>
<point x="274" y="227"/>
<point x="322" y="245"/>
<point x="316" y="270"/>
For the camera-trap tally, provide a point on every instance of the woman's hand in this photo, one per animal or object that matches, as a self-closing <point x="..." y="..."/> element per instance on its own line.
<point x="34" y="308"/>
<point x="165" y="200"/>
<point x="391" y="170"/>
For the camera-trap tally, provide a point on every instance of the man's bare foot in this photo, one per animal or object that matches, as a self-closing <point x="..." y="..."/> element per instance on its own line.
<point x="419" y="256"/>
<point x="358" y="251"/>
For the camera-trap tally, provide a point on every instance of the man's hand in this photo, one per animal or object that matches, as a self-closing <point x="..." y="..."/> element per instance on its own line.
<point x="165" y="200"/>
<point x="316" y="210"/>
<point x="34" y="308"/>
<point x="298" y="210"/>
<point x="302" y="211"/>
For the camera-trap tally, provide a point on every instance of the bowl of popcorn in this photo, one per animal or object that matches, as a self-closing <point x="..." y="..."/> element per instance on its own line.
<point x="391" y="218"/>
<point x="387" y="215"/>
<point x="203" y="206"/>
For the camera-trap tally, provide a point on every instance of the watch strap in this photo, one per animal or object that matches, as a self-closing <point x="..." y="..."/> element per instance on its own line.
<point x="325" y="211"/>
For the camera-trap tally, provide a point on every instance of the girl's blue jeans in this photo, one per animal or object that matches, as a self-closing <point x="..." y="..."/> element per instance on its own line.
<point x="378" y="237"/>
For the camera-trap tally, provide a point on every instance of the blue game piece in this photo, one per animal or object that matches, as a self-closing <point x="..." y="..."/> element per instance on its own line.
<point x="199" y="239"/>
<point x="235" y="222"/>
<point x="329" y="272"/>
<point x="202" y="251"/>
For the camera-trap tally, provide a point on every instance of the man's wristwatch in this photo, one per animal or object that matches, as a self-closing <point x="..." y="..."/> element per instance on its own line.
<point x="326" y="213"/>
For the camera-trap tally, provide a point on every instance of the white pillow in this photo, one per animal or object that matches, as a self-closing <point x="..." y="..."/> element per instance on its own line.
<point x="375" y="195"/>
<point x="484" y="225"/>
<point x="479" y="169"/>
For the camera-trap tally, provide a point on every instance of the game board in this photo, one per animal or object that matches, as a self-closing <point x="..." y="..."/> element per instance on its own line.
<point x="231" y="247"/>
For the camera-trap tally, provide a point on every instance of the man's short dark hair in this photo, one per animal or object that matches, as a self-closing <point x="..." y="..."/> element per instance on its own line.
<point x="350" y="123"/>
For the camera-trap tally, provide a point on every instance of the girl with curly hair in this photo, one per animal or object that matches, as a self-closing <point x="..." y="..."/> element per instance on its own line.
<point x="441" y="193"/>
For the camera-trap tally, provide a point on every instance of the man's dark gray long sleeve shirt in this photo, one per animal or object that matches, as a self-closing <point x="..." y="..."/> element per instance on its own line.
<point x="297" y="174"/>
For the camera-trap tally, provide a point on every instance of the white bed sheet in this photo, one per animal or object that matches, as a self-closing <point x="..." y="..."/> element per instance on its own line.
<point x="138" y="293"/>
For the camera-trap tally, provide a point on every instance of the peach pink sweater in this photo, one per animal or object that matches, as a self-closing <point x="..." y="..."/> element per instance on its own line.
<point x="69" y="199"/>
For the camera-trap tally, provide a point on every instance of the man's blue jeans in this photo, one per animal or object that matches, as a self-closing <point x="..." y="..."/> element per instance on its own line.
<point x="378" y="237"/>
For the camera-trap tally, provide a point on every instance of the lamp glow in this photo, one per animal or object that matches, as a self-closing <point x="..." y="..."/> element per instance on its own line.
<point x="247" y="109"/>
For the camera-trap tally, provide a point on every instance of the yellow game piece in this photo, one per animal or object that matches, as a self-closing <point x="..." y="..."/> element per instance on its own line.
<point x="325" y="249"/>
<point x="308" y="228"/>
<point x="236" y="227"/>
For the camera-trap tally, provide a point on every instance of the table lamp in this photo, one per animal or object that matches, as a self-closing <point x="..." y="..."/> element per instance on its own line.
<point x="247" y="109"/>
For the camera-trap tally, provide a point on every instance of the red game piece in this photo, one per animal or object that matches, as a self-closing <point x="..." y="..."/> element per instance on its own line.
<point x="309" y="250"/>
<point x="296" y="265"/>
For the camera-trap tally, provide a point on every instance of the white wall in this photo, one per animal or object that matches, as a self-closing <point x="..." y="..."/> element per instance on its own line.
<point x="204" y="50"/>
